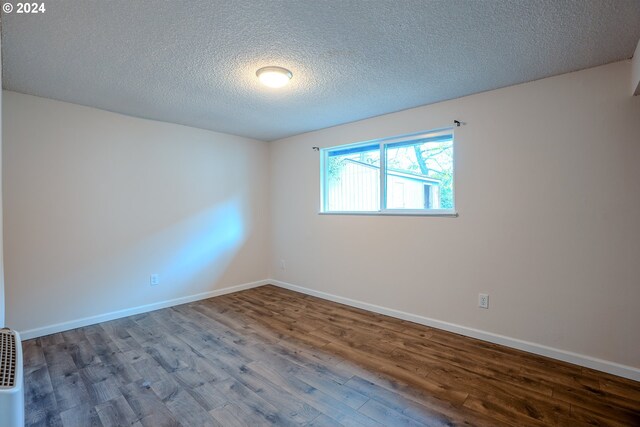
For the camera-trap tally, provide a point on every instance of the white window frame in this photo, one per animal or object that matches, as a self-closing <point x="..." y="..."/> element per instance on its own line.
<point x="383" y="143"/>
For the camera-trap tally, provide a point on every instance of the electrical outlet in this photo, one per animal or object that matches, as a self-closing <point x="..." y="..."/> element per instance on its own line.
<point x="483" y="300"/>
<point x="283" y="265"/>
<point x="154" y="280"/>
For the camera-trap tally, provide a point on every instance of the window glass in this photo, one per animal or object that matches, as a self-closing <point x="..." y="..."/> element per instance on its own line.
<point x="353" y="179"/>
<point x="419" y="174"/>
<point x="405" y="174"/>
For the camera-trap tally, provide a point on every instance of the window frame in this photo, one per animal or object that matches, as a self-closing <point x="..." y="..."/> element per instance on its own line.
<point x="383" y="143"/>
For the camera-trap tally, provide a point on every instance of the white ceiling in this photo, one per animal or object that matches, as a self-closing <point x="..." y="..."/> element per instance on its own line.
<point x="194" y="62"/>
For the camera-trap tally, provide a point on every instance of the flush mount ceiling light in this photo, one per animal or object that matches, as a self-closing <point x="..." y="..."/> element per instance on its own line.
<point x="274" y="76"/>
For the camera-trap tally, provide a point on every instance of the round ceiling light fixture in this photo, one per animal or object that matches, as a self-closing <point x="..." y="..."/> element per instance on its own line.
<point x="274" y="76"/>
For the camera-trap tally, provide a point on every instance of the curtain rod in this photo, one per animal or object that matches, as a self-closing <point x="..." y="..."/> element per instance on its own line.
<point x="457" y="123"/>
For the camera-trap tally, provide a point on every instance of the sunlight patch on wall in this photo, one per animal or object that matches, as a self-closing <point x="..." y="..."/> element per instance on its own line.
<point x="208" y="239"/>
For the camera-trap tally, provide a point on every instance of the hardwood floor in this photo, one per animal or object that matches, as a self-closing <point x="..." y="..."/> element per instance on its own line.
<point x="269" y="356"/>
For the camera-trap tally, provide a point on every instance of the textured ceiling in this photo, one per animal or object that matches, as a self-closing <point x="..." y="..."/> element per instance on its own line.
<point x="194" y="62"/>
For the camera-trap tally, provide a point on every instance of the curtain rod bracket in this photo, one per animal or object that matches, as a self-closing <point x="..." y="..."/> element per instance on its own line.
<point x="316" y="148"/>
<point x="457" y="123"/>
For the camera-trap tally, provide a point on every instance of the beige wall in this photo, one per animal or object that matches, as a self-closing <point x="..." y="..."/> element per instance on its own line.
<point x="95" y="202"/>
<point x="548" y="191"/>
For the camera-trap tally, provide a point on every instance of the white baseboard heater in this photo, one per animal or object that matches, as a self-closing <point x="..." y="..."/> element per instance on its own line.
<point x="11" y="380"/>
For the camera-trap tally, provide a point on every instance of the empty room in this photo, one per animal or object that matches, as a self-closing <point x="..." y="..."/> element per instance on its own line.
<point x="320" y="213"/>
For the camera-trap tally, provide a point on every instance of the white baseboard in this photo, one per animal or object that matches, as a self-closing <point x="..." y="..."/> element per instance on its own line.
<point x="78" y="323"/>
<point x="554" y="353"/>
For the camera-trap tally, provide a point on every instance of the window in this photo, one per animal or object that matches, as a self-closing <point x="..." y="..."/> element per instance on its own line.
<point x="410" y="174"/>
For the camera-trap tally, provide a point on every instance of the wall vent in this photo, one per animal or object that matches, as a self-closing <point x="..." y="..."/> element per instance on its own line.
<point x="11" y="380"/>
<point x="8" y="355"/>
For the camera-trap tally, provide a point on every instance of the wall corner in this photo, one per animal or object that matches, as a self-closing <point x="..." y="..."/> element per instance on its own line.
<point x="635" y="71"/>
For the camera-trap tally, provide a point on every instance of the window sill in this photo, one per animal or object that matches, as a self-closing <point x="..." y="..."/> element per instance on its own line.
<point x="445" y="214"/>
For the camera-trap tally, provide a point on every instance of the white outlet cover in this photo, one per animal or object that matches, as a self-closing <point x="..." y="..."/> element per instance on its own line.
<point x="154" y="279"/>
<point x="483" y="300"/>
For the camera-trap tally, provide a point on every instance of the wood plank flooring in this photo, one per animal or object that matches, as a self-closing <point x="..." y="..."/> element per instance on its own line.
<point x="269" y="356"/>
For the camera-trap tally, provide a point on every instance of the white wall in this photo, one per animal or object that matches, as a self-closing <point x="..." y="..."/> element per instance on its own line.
<point x="95" y="202"/>
<point x="548" y="191"/>
<point x="635" y="71"/>
<point x="2" y="304"/>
